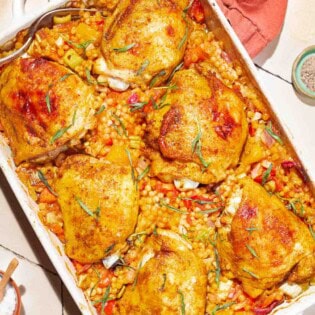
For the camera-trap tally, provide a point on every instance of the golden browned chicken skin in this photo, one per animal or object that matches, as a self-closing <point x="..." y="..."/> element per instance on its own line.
<point x="264" y="243"/>
<point x="198" y="132"/>
<point x="170" y="279"/>
<point x="99" y="203"/>
<point x="43" y="106"/>
<point x="144" y="39"/>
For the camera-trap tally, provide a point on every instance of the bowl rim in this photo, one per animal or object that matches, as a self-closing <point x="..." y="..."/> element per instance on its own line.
<point x="295" y="79"/>
<point x="17" y="309"/>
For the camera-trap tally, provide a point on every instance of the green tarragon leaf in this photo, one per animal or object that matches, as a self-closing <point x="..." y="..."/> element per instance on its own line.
<point x="221" y="307"/>
<point x="74" y="118"/>
<point x="137" y="234"/>
<point x="125" y="48"/>
<point x="252" y="251"/>
<point x="109" y="249"/>
<point x="137" y="106"/>
<point x="166" y="87"/>
<point x="103" y="300"/>
<point x="209" y="211"/>
<point x="143" y="66"/>
<point x="43" y="179"/>
<point x="156" y="77"/>
<point x="251" y="229"/>
<point x="95" y="214"/>
<point x="83" y="45"/>
<point x="122" y="126"/>
<point x="155" y="233"/>
<point x="200" y="201"/>
<point x="162" y="204"/>
<point x="133" y="175"/>
<point x="182" y="302"/>
<point x="184" y="39"/>
<point x="266" y="174"/>
<point x="66" y="76"/>
<point x="84" y="206"/>
<point x="188" y="6"/>
<point x="101" y="109"/>
<point x="196" y="148"/>
<point x="89" y="76"/>
<point x="97" y="282"/>
<point x="312" y="231"/>
<point x="137" y="275"/>
<point x="48" y="104"/>
<point x="177" y="68"/>
<point x="144" y="173"/>
<point x="218" y="267"/>
<point x="270" y="131"/>
<point x="293" y="205"/>
<point x="164" y="282"/>
<point x="250" y="273"/>
<point x="161" y="104"/>
<point x="59" y="133"/>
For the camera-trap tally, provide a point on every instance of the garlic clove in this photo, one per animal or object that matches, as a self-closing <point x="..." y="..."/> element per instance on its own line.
<point x="110" y="260"/>
<point x="185" y="184"/>
<point x="117" y="84"/>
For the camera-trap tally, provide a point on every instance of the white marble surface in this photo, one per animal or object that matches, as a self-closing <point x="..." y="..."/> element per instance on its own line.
<point x="41" y="287"/>
<point x="298" y="33"/>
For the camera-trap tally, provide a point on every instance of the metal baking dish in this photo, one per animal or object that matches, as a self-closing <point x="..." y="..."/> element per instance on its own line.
<point x="218" y="24"/>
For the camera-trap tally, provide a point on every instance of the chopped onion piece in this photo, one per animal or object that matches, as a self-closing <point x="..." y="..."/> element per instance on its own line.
<point x="175" y="236"/>
<point x="25" y="55"/>
<point x="182" y="229"/>
<point x="111" y="260"/>
<point x="242" y="175"/>
<point x="291" y="289"/>
<point x="265" y="163"/>
<point x="257" y="116"/>
<point x="267" y="139"/>
<point x="59" y="42"/>
<point x="224" y="289"/>
<point x="256" y="171"/>
<point x="185" y="184"/>
<point x="100" y="66"/>
<point x="234" y="202"/>
<point x="102" y="79"/>
<point x="90" y="47"/>
<point x="121" y="75"/>
<point x="117" y="84"/>
<point x="146" y="257"/>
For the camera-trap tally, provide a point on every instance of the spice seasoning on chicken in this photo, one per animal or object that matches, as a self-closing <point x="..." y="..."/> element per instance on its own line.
<point x="308" y="73"/>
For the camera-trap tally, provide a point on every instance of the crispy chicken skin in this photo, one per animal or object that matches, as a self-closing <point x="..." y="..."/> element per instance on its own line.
<point x="200" y="133"/>
<point x="157" y="32"/>
<point x="41" y="110"/>
<point x="264" y="243"/>
<point x="170" y="277"/>
<point x="99" y="203"/>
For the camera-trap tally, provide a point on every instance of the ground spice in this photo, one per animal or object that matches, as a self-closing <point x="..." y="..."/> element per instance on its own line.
<point x="308" y="73"/>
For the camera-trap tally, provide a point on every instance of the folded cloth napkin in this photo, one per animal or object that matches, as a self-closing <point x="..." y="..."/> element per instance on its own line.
<point x="256" y="22"/>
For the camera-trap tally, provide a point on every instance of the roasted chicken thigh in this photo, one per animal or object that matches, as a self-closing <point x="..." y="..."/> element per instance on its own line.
<point x="144" y="41"/>
<point x="99" y="203"/>
<point x="43" y="107"/>
<point x="171" y="279"/>
<point x="263" y="242"/>
<point x="198" y="132"/>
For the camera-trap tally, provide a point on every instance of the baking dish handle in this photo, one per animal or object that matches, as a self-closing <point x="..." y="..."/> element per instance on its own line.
<point x="18" y="8"/>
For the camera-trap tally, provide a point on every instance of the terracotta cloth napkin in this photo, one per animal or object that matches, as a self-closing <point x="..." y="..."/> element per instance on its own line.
<point x="256" y="22"/>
